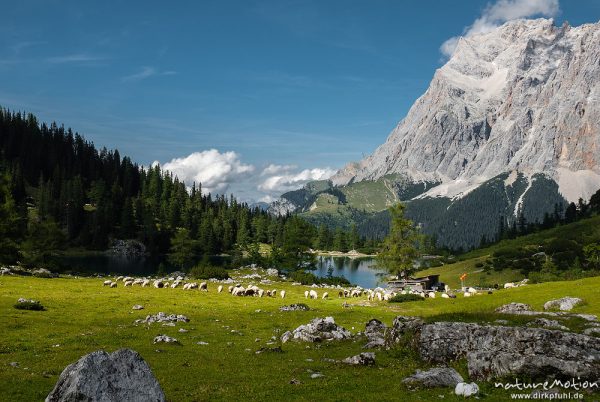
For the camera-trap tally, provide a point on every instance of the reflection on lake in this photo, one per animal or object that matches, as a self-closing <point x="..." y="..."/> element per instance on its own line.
<point x="108" y="264"/>
<point x="359" y="271"/>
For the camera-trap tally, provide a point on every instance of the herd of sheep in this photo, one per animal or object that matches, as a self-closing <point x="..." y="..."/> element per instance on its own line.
<point x="378" y="294"/>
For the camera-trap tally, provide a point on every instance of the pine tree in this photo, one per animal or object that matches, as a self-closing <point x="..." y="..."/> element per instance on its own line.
<point x="400" y="248"/>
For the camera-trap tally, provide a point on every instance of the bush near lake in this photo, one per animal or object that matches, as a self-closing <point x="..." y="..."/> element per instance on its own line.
<point x="306" y="278"/>
<point x="208" y="272"/>
<point x="406" y="298"/>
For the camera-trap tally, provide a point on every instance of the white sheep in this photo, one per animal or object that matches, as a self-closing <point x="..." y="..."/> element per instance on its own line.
<point x="282" y="294"/>
<point x="204" y="286"/>
<point x="509" y="285"/>
<point x="467" y="294"/>
<point x="106" y="283"/>
<point x="158" y="284"/>
<point x="260" y="292"/>
<point x="306" y="293"/>
<point x="313" y="294"/>
<point x="472" y="290"/>
<point x="274" y="293"/>
<point x="113" y="285"/>
<point x="166" y="285"/>
<point x="220" y="289"/>
<point x="145" y="283"/>
<point x="118" y="278"/>
<point x="445" y="296"/>
<point x="128" y="283"/>
<point x="175" y="284"/>
<point x="230" y="289"/>
<point x="431" y="295"/>
<point x="325" y="295"/>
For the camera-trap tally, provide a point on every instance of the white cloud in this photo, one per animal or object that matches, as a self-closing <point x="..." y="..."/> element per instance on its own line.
<point x="214" y="170"/>
<point x="224" y="172"/>
<point x="74" y="58"/>
<point x="146" y="72"/>
<point x="500" y="12"/>
<point x="286" y="180"/>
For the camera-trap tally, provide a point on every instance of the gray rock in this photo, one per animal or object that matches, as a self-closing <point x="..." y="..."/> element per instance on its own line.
<point x="316" y="375"/>
<point x="317" y="330"/>
<point x="563" y="304"/>
<point x="375" y="332"/>
<point x="435" y="377"/>
<point x="5" y="271"/>
<point x="363" y="359"/>
<point x="102" y="377"/>
<point x="466" y="390"/>
<point x="513" y="308"/>
<point x="165" y="339"/>
<point x="548" y="324"/>
<point x="496" y="351"/>
<point x="137" y="307"/>
<point x="163" y="318"/>
<point x="272" y="272"/>
<point x="595" y="331"/>
<point x="403" y="326"/>
<point x="43" y="273"/>
<point x="295" y="307"/>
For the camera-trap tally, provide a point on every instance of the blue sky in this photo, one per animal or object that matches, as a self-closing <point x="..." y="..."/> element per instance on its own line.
<point x="252" y="97"/>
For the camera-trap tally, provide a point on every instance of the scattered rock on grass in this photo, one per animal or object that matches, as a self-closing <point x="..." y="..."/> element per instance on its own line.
<point x="436" y="377"/>
<point x="28" y="304"/>
<point x="162" y="318"/>
<point x="513" y="308"/>
<point x="295" y="307"/>
<point x="466" y="390"/>
<point x="317" y="330"/>
<point x="548" y="324"/>
<point x="316" y="375"/>
<point x="563" y="304"/>
<point x="99" y="376"/>
<point x="165" y="339"/>
<point x="375" y="332"/>
<point x="137" y="307"/>
<point x="363" y="359"/>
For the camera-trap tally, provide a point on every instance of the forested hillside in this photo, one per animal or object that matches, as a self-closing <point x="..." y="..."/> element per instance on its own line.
<point x="60" y="191"/>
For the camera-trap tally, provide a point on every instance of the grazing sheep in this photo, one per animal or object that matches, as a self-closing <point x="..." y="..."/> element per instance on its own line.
<point x="158" y="284"/>
<point x="378" y="295"/>
<point x="282" y="294"/>
<point x="113" y="285"/>
<point x="166" y="285"/>
<point x="431" y="295"/>
<point x="260" y="292"/>
<point x="445" y="296"/>
<point x="106" y="283"/>
<point x="306" y="293"/>
<point x="472" y="290"/>
<point x="274" y="293"/>
<point x="175" y="284"/>
<point x="204" y="286"/>
<point x="238" y="291"/>
<point x="467" y="294"/>
<point x="341" y="294"/>
<point x="249" y="292"/>
<point x="509" y="285"/>
<point x="220" y="289"/>
<point x="230" y="289"/>
<point x="325" y="295"/>
<point x="313" y="294"/>
<point x="145" y="283"/>
<point x="128" y="283"/>
<point x="346" y="293"/>
<point x="118" y="278"/>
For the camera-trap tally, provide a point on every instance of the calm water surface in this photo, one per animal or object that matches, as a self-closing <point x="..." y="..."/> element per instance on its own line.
<point x="359" y="271"/>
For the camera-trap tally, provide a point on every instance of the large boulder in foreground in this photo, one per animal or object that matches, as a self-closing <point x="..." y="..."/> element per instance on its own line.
<point x="319" y="329"/>
<point x="496" y="351"/>
<point x="103" y="377"/>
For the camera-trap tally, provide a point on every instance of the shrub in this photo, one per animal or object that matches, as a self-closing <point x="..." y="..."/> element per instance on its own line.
<point x="208" y="272"/>
<point x="306" y="278"/>
<point x="29" y="305"/>
<point x="406" y="298"/>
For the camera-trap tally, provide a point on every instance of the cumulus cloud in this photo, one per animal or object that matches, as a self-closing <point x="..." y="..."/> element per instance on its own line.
<point x="281" y="178"/>
<point x="224" y="172"/>
<point x="500" y="12"/>
<point x="216" y="171"/>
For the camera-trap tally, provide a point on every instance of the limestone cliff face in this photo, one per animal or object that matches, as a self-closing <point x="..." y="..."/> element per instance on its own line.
<point x="523" y="97"/>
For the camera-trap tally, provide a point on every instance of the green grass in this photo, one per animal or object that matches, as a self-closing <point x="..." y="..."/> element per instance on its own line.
<point x="476" y="276"/>
<point x="83" y="316"/>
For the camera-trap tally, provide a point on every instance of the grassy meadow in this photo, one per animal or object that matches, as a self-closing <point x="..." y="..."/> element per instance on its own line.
<point x="83" y="316"/>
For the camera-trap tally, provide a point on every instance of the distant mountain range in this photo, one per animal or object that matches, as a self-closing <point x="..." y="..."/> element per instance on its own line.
<point x="509" y="127"/>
